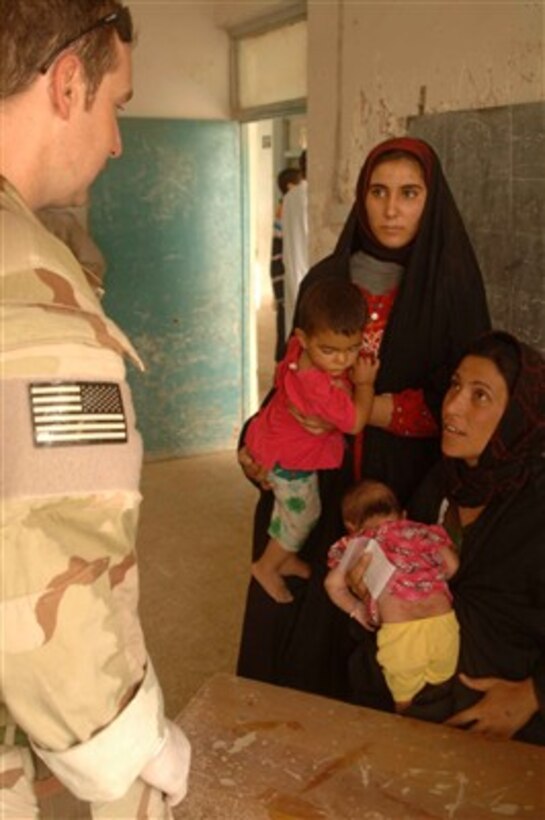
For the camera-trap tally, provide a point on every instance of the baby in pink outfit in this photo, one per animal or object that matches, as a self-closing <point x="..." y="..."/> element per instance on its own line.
<point x="418" y="634"/>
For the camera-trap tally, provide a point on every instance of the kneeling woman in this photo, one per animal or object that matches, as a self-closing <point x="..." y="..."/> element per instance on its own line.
<point x="488" y="491"/>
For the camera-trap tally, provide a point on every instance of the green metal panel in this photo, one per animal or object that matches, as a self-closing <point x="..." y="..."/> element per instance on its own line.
<point x="168" y="216"/>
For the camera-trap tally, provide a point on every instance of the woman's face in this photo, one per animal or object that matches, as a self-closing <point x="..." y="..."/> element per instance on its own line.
<point x="472" y="408"/>
<point x="395" y="200"/>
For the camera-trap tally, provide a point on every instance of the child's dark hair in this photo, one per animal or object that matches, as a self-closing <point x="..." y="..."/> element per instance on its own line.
<point x="367" y="499"/>
<point x="332" y="304"/>
<point x="287" y="177"/>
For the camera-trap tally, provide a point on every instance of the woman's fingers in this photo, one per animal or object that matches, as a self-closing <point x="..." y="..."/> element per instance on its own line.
<point x="504" y="708"/>
<point x="252" y="470"/>
<point x="356" y="576"/>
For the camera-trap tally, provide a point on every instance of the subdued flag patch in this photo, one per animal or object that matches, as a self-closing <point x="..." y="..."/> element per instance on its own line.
<point x="73" y="413"/>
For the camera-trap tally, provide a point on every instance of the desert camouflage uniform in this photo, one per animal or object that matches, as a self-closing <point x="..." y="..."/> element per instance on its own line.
<point x="81" y="712"/>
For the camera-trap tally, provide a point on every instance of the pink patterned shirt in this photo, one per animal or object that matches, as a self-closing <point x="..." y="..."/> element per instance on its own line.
<point x="413" y="548"/>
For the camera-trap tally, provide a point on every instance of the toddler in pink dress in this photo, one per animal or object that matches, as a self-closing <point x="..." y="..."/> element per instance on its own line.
<point x="321" y="377"/>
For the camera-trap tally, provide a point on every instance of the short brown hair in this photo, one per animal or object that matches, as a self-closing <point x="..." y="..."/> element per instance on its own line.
<point x="33" y="29"/>
<point x="367" y="499"/>
<point x="332" y="304"/>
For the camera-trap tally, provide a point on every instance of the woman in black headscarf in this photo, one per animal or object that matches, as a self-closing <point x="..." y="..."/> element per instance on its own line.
<point x="488" y="491"/>
<point x="405" y="245"/>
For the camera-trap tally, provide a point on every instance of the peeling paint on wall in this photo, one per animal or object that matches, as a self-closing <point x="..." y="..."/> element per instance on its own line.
<point x="168" y="216"/>
<point x="381" y="55"/>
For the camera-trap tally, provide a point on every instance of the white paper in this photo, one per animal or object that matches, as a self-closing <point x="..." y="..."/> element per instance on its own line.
<point x="379" y="571"/>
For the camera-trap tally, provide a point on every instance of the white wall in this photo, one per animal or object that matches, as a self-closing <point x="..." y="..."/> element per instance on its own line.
<point x="181" y="61"/>
<point x="371" y="62"/>
<point x="368" y="64"/>
<point x="261" y="175"/>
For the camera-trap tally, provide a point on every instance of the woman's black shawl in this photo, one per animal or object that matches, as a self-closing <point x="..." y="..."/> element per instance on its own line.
<point x="499" y="590"/>
<point x="440" y="308"/>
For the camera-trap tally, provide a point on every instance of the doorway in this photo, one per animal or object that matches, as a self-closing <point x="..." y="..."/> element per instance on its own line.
<point x="271" y="145"/>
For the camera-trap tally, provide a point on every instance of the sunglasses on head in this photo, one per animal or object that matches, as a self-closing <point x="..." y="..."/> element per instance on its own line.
<point x="120" y="20"/>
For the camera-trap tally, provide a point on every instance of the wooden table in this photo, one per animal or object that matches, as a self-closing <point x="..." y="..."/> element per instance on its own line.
<point x="265" y="752"/>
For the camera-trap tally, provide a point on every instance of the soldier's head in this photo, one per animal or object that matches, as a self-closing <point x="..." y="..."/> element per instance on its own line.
<point x="35" y="33"/>
<point x="65" y="73"/>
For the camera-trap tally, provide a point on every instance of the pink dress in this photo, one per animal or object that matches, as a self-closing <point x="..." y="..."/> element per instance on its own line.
<point x="276" y="437"/>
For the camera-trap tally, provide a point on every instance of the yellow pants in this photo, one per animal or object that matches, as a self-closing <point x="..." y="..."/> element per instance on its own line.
<point x="413" y="653"/>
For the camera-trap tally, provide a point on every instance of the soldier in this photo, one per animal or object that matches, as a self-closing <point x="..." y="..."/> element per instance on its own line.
<point x="83" y="729"/>
<point x="67" y="224"/>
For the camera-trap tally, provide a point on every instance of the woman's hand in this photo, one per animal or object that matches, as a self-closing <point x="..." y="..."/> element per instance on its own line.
<point x="368" y="615"/>
<point x="252" y="470"/>
<point x="355" y="577"/>
<point x="312" y="424"/>
<point x="505" y="707"/>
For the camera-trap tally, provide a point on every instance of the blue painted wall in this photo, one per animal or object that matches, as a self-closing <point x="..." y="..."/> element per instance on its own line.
<point x="168" y="217"/>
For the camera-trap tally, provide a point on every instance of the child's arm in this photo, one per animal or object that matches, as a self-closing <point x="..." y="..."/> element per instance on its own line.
<point x="363" y="375"/>
<point x="338" y="591"/>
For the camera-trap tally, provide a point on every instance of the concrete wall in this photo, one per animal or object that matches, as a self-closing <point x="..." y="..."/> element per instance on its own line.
<point x="181" y="62"/>
<point x="373" y="64"/>
<point x="169" y="221"/>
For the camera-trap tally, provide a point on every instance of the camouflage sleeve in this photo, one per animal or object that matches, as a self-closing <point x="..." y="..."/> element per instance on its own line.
<point x="104" y="766"/>
<point x="76" y="676"/>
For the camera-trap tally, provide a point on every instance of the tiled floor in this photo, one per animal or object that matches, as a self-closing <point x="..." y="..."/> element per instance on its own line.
<point x="194" y="547"/>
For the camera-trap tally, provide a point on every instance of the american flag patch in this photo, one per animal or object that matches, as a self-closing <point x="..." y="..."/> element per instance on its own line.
<point x="70" y="413"/>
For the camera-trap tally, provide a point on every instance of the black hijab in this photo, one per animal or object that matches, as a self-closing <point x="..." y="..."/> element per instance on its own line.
<point x="441" y="304"/>
<point x="519" y="439"/>
<point x="439" y="309"/>
<point x="363" y="235"/>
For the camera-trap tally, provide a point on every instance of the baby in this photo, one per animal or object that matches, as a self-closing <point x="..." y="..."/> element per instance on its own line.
<point x="411" y="604"/>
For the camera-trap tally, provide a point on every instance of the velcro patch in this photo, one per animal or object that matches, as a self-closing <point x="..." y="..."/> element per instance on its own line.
<point x="65" y="414"/>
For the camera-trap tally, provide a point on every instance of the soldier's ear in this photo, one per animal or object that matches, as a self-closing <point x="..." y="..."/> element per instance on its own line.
<point x="67" y="87"/>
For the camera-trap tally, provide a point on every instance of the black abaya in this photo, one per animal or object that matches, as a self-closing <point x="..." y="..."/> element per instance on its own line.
<point x="440" y="307"/>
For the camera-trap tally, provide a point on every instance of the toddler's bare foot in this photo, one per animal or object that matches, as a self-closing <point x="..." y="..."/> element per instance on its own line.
<point x="294" y="566"/>
<point x="273" y="584"/>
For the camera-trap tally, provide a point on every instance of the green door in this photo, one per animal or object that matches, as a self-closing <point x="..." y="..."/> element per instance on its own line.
<point x="168" y="217"/>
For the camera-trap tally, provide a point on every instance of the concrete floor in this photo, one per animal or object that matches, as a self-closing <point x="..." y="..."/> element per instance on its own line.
<point x="194" y="549"/>
<point x="194" y="557"/>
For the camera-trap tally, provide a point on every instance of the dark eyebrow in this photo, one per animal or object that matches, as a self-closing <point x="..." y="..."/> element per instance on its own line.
<point x="403" y="187"/>
<point x="479" y="383"/>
